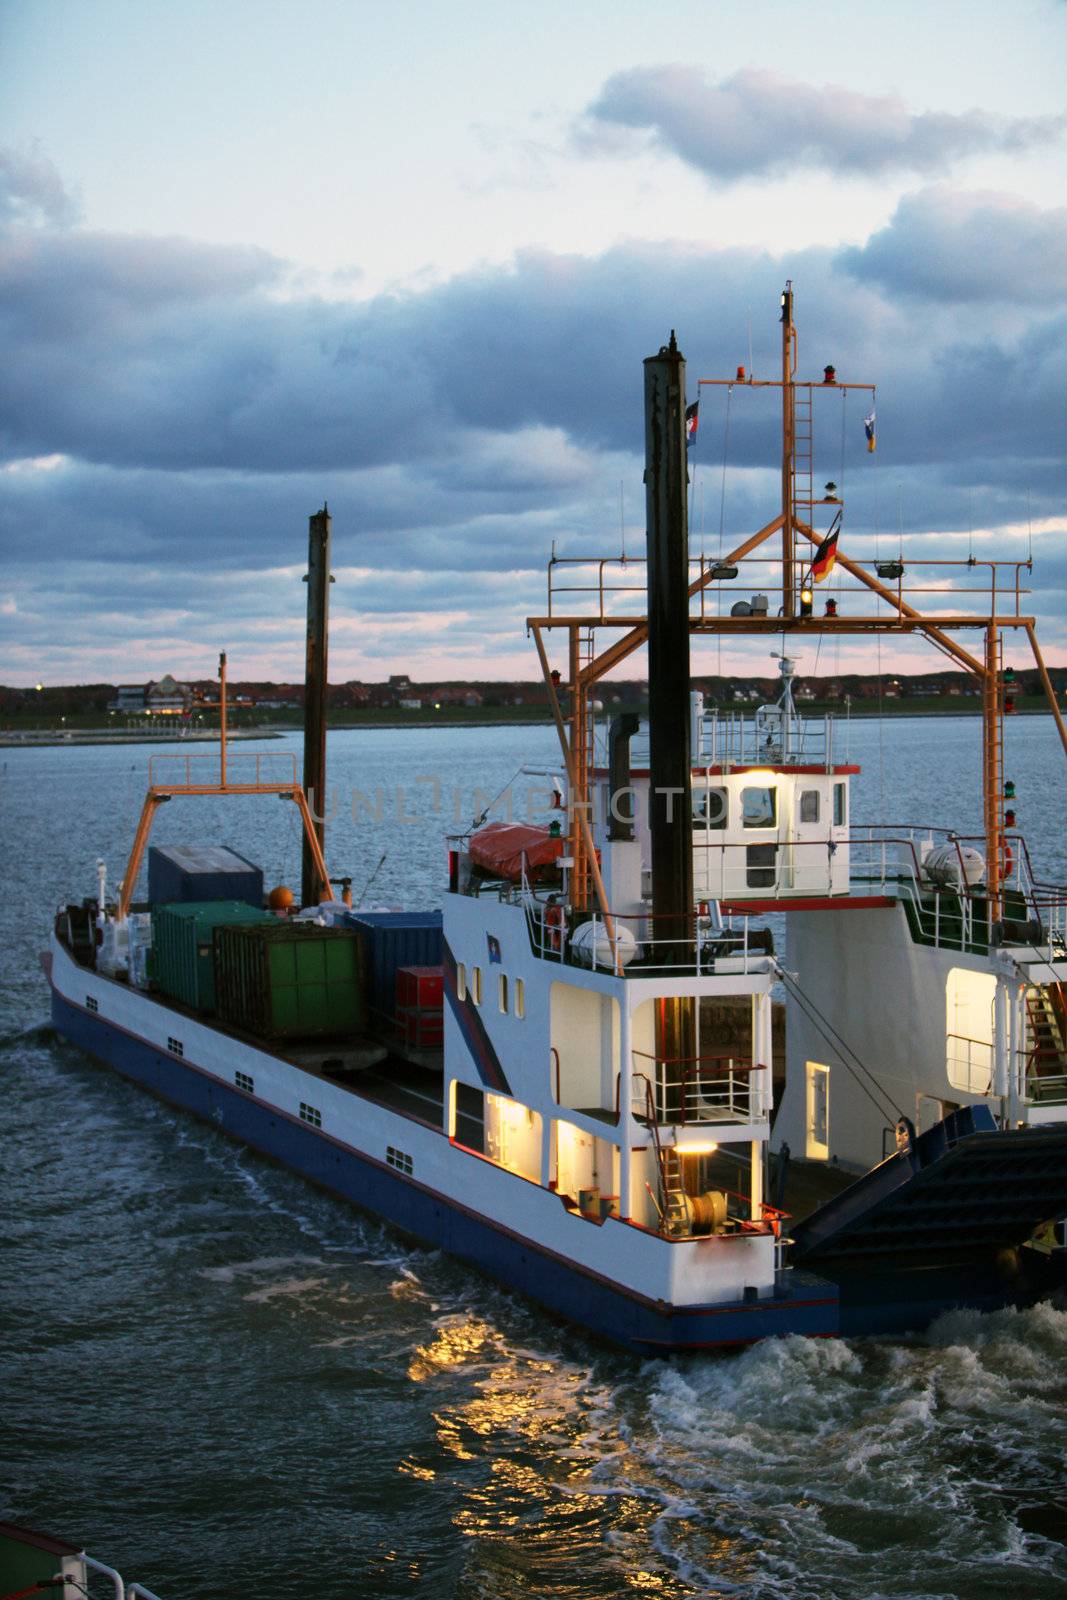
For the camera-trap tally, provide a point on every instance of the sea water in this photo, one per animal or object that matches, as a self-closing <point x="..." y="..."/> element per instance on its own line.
<point x="225" y="1382"/>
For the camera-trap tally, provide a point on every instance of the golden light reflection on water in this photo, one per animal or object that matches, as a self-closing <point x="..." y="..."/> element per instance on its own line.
<point x="544" y="1471"/>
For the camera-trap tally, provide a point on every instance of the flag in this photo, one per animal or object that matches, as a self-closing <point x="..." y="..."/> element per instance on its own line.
<point x="495" y="956"/>
<point x="868" y="428"/>
<point x="692" y="420"/>
<point x="823" y="561"/>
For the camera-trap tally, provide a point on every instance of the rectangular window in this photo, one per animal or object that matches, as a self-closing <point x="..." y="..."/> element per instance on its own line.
<point x="461" y="980"/>
<point x="91" y="1003"/>
<point x="243" y="1081"/>
<point x="310" y="1114"/>
<point x="759" y="808"/>
<point x="470" y="1117"/>
<point x="840" y="805"/>
<point x="502" y="986"/>
<point x="809" y="805"/>
<point x="476" y="985"/>
<point x="520" y="998"/>
<point x="761" y="865"/>
<point x="710" y="809"/>
<point x="399" y="1159"/>
<point x="175" y="1047"/>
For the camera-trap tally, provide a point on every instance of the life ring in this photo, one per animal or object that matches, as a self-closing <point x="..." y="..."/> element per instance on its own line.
<point x="554" y="924"/>
<point x="1007" y="861"/>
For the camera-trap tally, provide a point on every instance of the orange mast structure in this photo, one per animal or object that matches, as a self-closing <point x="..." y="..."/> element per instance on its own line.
<point x="794" y="520"/>
<point x="160" y="792"/>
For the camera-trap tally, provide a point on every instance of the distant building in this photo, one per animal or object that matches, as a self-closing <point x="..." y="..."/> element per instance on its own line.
<point x="410" y="703"/>
<point x="129" y="699"/>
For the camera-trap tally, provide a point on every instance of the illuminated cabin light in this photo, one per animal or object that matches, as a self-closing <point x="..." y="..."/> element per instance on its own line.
<point x="707" y="1148"/>
<point x="805" y="602"/>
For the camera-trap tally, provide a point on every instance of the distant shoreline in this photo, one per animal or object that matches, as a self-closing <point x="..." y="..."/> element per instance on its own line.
<point x="50" y="738"/>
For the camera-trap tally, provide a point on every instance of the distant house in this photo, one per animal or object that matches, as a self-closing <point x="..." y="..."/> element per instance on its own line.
<point x="129" y="699"/>
<point x="165" y="698"/>
<point x="410" y="703"/>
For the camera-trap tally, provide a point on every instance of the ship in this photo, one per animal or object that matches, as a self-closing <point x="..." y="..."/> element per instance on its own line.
<point x="565" y="1076"/>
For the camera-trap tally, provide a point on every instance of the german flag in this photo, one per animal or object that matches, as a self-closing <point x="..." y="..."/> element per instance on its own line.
<point x="823" y="560"/>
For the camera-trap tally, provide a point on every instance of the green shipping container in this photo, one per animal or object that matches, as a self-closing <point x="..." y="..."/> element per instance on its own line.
<point x="183" y="955"/>
<point x="292" y="980"/>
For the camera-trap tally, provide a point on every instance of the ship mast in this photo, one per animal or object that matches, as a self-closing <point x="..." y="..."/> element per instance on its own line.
<point x="890" y="613"/>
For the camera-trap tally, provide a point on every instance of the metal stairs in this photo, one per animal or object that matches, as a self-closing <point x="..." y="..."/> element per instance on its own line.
<point x="675" y="1209"/>
<point x="1046" y="1012"/>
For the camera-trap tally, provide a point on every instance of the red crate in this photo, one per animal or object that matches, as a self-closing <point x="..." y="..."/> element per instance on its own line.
<point x="421" y="1026"/>
<point x="421" y="987"/>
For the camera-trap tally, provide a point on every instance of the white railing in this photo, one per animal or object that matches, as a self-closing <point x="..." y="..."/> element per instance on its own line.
<point x="628" y="942"/>
<point x="699" y="1089"/>
<point x="970" y="1063"/>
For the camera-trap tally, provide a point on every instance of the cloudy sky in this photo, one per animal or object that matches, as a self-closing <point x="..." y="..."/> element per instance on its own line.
<point x="258" y="255"/>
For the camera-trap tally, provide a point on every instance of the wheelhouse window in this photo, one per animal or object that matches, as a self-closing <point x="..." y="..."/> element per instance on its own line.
<point x="840" y="805"/>
<point x="809" y="805"/>
<point x="710" y="808"/>
<point x="759" y="808"/>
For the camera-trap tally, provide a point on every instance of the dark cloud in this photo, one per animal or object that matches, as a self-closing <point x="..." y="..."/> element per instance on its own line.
<point x="757" y="123"/>
<point x="950" y="246"/>
<point x="172" y="413"/>
<point x="32" y="191"/>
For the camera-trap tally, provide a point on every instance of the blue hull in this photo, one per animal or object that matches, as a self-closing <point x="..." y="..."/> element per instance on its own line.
<point x="809" y="1306"/>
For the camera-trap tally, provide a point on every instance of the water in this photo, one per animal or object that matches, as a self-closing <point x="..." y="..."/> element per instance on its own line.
<point x="226" y="1382"/>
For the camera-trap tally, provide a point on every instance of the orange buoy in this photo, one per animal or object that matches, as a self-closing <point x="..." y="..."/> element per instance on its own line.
<point x="280" y="899"/>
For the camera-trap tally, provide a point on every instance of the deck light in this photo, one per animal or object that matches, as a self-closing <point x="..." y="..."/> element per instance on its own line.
<point x="1009" y="790"/>
<point x="721" y="570"/>
<point x="706" y="1148"/>
<point x="805" y="602"/>
<point x="889" y="569"/>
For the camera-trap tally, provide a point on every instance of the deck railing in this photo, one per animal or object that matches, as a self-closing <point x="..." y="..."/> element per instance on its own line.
<point x="709" y="1088"/>
<point x="243" y="770"/>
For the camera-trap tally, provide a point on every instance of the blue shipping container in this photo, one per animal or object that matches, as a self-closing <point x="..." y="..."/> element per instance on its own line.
<point x="393" y="939"/>
<point x="182" y="872"/>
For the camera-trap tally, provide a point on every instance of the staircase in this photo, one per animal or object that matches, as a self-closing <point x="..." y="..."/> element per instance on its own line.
<point x="675" y="1209"/>
<point x="1046" y="1064"/>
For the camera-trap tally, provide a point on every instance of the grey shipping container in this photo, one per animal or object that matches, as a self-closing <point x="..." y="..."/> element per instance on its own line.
<point x="291" y="980"/>
<point x="201" y="872"/>
<point x="393" y="939"/>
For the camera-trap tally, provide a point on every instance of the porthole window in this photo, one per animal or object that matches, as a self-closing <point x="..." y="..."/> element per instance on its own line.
<point x="520" y="998"/>
<point x="461" y="980"/>
<point x="476" y="985"/>
<point x="502" y="990"/>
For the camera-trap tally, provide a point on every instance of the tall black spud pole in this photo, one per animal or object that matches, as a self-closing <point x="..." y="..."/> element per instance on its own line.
<point x="670" y="799"/>
<point x="318" y="630"/>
